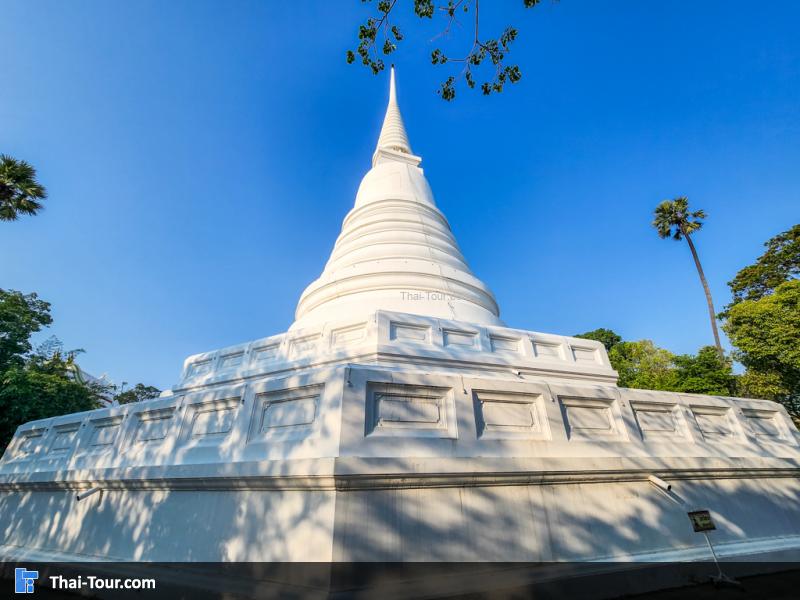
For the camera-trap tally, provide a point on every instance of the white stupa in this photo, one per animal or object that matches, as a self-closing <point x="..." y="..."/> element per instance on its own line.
<point x="396" y="251"/>
<point x="399" y="419"/>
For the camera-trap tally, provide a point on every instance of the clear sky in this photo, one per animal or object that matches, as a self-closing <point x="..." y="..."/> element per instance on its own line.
<point x="200" y="157"/>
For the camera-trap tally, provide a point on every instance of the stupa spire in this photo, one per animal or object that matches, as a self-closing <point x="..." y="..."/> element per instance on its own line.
<point x="396" y="251"/>
<point x="393" y="138"/>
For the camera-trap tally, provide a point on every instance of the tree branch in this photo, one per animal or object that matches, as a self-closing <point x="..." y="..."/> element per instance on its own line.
<point x="493" y="49"/>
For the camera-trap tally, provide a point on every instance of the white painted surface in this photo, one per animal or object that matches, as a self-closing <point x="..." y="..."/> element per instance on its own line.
<point x="396" y="251"/>
<point x="382" y="428"/>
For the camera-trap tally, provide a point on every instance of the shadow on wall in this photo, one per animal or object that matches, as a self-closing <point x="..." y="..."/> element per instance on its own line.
<point x="561" y="522"/>
<point x="531" y="526"/>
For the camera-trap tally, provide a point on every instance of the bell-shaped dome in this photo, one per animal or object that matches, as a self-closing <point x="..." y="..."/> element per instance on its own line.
<point x="396" y="251"/>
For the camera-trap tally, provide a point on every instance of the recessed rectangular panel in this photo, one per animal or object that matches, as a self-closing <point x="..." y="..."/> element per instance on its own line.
<point x="209" y="419"/>
<point x="104" y="432"/>
<point x="584" y="355"/>
<point x="64" y="437"/>
<point x="348" y="335"/>
<point x="504" y="344"/>
<point x="409" y="333"/>
<point x="153" y="425"/>
<point x="459" y="339"/>
<point x="589" y="418"/>
<point x="286" y="414"/>
<point x="714" y="422"/>
<point x="289" y="413"/>
<point x="229" y="361"/>
<point x="409" y="408"/>
<point x="213" y="418"/>
<point x="30" y="442"/>
<point x="509" y="415"/>
<point x="394" y="409"/>
<point x="267" y="352"/>
<point x="513" y="415"/>
<point x="201" y="367"/>
<point x="765" y="424"/>
<point x="547" y="350"/>
<point x="657" y="420"/>
<point x="305" y="344"/>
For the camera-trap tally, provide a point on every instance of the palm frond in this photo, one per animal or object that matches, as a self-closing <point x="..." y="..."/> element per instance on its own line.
<point x="20" y="193"/>
<point x="673" y="219"/>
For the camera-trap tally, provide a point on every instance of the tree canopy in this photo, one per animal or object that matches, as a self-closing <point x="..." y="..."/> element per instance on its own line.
<point x="763" y="322"/>
<point x="27" y="394"/>
<point x="21" y="315"/>
<point x="137" y="393"/>
<point x="766" y="334"/>
<point x="780" y="263"/>
<point x="674" y="219"/>
<point x="20" y="192"/>
<point x="707" y="372"/>
<point x="42" y="386"/>
<point x="643" y="365"/>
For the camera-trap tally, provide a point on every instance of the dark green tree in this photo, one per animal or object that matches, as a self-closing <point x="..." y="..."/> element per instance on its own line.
<point x="39" y="390"/>
<point x="137" y="393"/>
<point x="21" y="315"/>
<point x="763" y="322"/>
<point x="766" y="335"/>
<point x="608" y="337"/>
<point x="706" y="372"/>
<point x="643" y="365"/>
<point x="20" y="193"/>
<point x="674" y="219"/>
<point x="379" y="36"/>
<point x="780" y="263"/>
<point x="769" y="386"/>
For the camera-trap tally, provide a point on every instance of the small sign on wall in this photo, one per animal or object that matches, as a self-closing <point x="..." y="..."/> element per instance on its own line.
<point x="701" y="520"/>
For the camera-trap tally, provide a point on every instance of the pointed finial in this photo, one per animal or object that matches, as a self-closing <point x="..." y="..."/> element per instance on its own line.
<point x="393" y="137"/>
<point x="392" y="89"/>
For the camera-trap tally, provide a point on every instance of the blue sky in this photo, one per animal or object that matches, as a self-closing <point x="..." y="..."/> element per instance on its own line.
<point x="200" y="157"/>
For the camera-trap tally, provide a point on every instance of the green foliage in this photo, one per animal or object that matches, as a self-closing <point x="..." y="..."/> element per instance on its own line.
<point x="137" y="393"/>
<point x="606" y="336"/>
<point x="20" y="193"/>
<point x="27" y="394"/>
<point x="756" y="384"/>
<point x="763" y="322"/>
<point x="706" y="372"/>
<point x="780" y="263"/>
<point x="766" y="334"/>
<point x="674" y="219"/>
<point x="21" y="315"/>
<point x="769" y="386"/>
<point x="643" y="365"/>
<point x="490" y="51"/>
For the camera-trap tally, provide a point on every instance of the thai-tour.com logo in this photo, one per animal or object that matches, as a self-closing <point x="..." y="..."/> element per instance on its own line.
<point x="24" y="582"/>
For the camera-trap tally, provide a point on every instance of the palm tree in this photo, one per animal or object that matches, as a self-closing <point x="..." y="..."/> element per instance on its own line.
<point x="673" y="219"/>
<point x="19" y="191"/>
